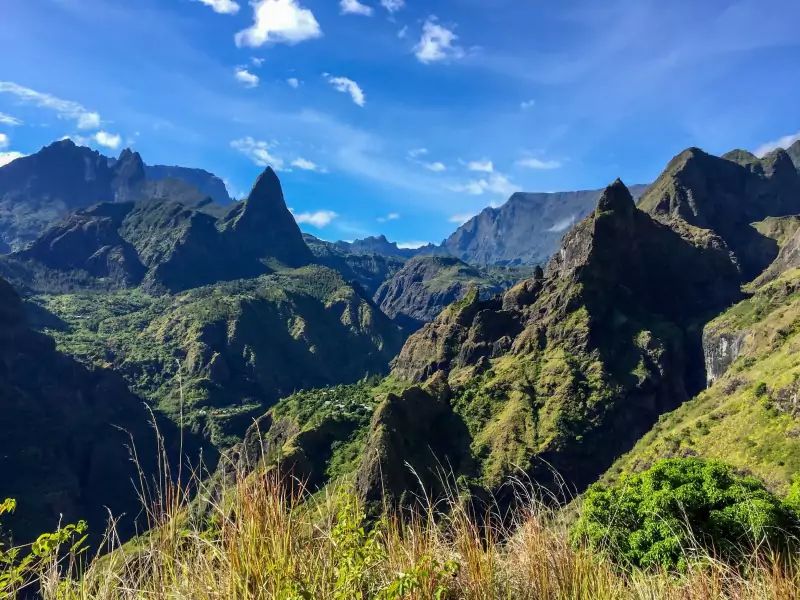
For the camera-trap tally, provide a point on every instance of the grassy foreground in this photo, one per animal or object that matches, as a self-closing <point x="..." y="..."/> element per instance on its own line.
<point x="269" y="539"/>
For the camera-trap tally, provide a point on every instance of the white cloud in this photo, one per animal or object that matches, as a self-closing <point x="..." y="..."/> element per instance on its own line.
<point x="527" y="104"/>
<point x="783" y="142"/>
<point x="318" y="218"/>
<point x="306" y="165"/>
<point x="436" y="167"/>
<point x="436" y="43"/>
<point x="354" y="7"/>
<point x="393" y="216"/>
<point x="348" y="86"/>
<point x="3" y="141"/>
<point x="417" y="152"/>
<point x="481" y="166"/>
<point x="393" y="5"/>
<point x="562" y="225"/>
<point x="411" y="245"/>
<point x="64" y="109"/>
<point x="246" y="78"/>
<point x="293" y="82"/>
<point x="7" y="157"/>
<point x="279" y="22"/>
<point x="461" y="218"/>
<point x="256" y="61"/>
<point x="403" y="32"/>
<point x="9" y="120"/>
<point x="108" y="140"/>
<point x="539" y="165"/>
<point x="495" y="183"/>
<point x="223" y="7"/>
<point x="259" y="152"/>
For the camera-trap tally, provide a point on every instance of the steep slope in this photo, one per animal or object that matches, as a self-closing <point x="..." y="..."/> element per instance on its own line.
<point x="232" y="348"/>
<point x="700" y="193"/>
<point x="425" y="285"/>
<point x="749" y="417"/>
<point x="525" y="230"/>
<point x="164" y="244"/>
<point x="37" y="191"/>
<point x="565" y="370"/>
<point x="63" y="433"/>
<point x="794" y="153"/>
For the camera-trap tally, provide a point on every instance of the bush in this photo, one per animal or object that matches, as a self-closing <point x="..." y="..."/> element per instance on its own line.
<point x="653" y="519"/>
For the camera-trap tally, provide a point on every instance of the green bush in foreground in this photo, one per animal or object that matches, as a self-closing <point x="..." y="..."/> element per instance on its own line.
<point x="654" y="518"/>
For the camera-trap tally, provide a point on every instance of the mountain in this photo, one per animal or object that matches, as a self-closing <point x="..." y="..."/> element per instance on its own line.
<point x="381" y="246"/>
<point x="164" y="244"/>
<point x="425" y="285"/>
<point x="525" y="230"/>
<point x="39" y="190"/>
<point x="794" y="153"/>
<point x="701" y="194"/>
<point x="64" y="433"/>
<point x="565" y="370"/>
<point x="208" y="184"/>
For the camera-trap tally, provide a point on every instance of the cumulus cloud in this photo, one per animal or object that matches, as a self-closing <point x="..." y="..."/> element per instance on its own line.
<point x="437" y="43"/>
<point x="64" y="109"/>
<point x="527" y="104"/>
<point x="279" y="22"/>
<point x="108" y="140"/>
<point x="460" y="219"/>
<point x="318" y="218"/>
<point x="246" y="78"/>
<point x="7" y="157"/>
<point x="9" y="120"/>
<point x="348" y="86"/>
<point x="223" y="7"/>
<point x="3" y="141"/>
<point x="354" y="7"/>
<point x="783" y="142"/>
<point x="494" y="183"/>
<point x="306" y="165"/>
<point x="293" y="82"/>
<point x="392" y="216"/>
<point x="259" y="152"/>
<point x="393" y="5"/>
<point x="436" y="167"/>
<point x="538" y="164"/>
<point x="481" y="166"/>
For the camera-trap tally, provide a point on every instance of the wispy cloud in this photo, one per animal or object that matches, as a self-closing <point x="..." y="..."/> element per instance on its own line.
<point x="392" y="216"/>
<point x="293" y="82"/>
<point x="415" y="245"/>
<point x="354" y="7"/>
<point x="416" y="155"/>
<point x="306" y="165"/>
<point x="279" y="22"/>
<point x="3" y="141"/>
<point x="317" y="218"/>
<point x="527" y="104"/>
<point x="348" y="86"/>
<point x="64" y="109"/>
<point x="481" y="166"/>
<point x="7" y="157"/>
<point x="436" y="167"/>
<point x="223" y="7"/>
<point x="246" y="78"/>
<point x="538" y="164"/>
<point x="783" y="142"/>
<point x="258" y="151"/>
<point x="437" y="43"/>
<point x="108" y="140"/>
<point x="393" y="5"/>
<point x="9" y="120"/>
<point x="494" y="183"/>
<point x="562" y="225"/>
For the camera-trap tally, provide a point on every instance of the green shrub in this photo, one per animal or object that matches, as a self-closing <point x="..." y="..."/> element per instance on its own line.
<point x="660" y="517"/>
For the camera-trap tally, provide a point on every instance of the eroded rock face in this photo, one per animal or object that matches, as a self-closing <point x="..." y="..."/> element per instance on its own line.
<point x="720" y="350"/>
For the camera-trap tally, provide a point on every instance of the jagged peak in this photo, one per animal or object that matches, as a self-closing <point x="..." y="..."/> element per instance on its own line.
<point x="742" y="157"/>
<point x="777" y="162"/>
<point x="616" y="198"/>
<point x="267" y="188"/>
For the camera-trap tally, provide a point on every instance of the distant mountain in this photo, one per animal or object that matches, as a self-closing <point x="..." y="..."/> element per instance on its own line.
<point x="207" y="183"/>
<point x="380" y="245"/>
<point x="794" y="153"/>
<point x="525" y="230"/>
<point x="37" y="191"/>
<point x="426" y="285"/>
<point x="164" y="244"/>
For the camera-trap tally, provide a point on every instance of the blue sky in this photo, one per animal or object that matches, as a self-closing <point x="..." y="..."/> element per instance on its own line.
<point x="401" y="117"/>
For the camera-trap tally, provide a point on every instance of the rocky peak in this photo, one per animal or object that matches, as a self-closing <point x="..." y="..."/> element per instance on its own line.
<point x="794" y="153"/>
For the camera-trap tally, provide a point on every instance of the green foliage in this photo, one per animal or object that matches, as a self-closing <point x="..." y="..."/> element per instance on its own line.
<point x="653" y="518"/>
<point x="19" y="565"/>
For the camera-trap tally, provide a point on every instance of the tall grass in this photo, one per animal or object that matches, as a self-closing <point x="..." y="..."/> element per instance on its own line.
<point x="267" y="537"/>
